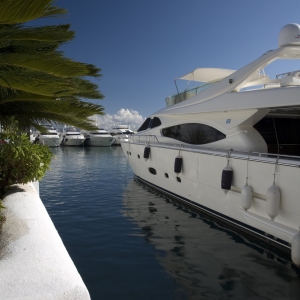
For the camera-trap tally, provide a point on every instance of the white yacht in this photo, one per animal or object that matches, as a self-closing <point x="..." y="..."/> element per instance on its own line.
<point x="72" y="137"/>
<point x="120" y="132"/>
<point x="99" y="138"/>
<point x="50" y="138"/>
<point x="231" y="148"/>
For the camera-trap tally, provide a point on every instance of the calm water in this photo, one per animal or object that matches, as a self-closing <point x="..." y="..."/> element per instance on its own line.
<point x="129" y="243"/>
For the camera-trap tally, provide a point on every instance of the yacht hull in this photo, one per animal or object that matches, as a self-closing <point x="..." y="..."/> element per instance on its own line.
<point x="118" y="139"/>
<point x="99" y="141"/>
<point x="51" y="142"/>
<point x="198" y="185"/>
<point x="72" y="141"/>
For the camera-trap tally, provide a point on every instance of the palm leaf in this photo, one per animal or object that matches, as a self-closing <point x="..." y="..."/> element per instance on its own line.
<point x="27" y="46"/>
<point x="21" y="11"/>
<point x="54" y="33"/>
<point x="39" y="84"/>
<point x="47" y="85"/>
<point x="53" y="63"/>
<point x="67" y="111"/>
<point x="20" y="96"/>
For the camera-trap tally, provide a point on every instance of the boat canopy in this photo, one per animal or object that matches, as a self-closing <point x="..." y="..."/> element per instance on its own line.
<point x="210" y="76"/>
<point x="207" y="74"/>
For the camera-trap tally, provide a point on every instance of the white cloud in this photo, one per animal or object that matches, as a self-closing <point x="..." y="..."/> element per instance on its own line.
<point x="122" y="117"/>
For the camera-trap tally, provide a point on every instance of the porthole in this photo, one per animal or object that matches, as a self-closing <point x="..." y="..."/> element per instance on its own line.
<point x="166" y="175"/>
<point x="178" y="179"/>
<point x="152" y="171"/>
<point x="138" y="156"/>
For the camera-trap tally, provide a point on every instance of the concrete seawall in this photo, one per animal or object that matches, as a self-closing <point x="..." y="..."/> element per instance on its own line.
<point x="34" y="263"/>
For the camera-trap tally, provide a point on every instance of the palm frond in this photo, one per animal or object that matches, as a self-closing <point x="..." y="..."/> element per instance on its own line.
<point x="21" y="11"/>
<point x="28" y="47"/>
<point x="51" y="63"/>
<point x="54" y="33"/>
<point x="48" y="85"/>
<point x="21" y="96"/>
<point x="72" y="105"/>
<point x="38" y="83"/>
<point x="67" y="111"/>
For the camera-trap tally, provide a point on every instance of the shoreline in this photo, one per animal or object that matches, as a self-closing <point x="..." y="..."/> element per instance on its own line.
<point x="32" y="254"/>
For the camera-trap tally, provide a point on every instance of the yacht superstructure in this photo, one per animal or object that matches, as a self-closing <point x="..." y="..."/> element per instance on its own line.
<point x="50" y="138"/>
<point x="99" y="138"/>
<point x="230" y="147"/>
<point x="72" y="137"/>
<point x="120" y="132"/>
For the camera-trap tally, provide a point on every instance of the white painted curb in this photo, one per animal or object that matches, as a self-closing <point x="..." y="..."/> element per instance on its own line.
<point x="34" y="263"/>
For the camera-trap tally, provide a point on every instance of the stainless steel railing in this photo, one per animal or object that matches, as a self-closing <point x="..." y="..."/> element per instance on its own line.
<point x="280" y="159"/>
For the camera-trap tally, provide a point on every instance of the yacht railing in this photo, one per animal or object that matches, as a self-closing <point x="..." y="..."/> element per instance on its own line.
<point x="279" y="159"/>
<point x="187" y="94"/>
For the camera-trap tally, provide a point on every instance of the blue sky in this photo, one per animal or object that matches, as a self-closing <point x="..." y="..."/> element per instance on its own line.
<point x="141" y="46"/>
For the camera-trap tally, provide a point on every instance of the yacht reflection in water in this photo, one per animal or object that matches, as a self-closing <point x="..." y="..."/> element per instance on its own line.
<point x="207" y="260"/>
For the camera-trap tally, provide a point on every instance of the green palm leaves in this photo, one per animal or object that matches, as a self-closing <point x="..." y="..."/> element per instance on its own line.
<point x="38" y="83"/>
<point x="21" y="11"/>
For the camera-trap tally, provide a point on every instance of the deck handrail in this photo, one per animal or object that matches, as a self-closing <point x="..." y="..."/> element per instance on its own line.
<point x="188" y="93"/>
<point x="280" y="159"/>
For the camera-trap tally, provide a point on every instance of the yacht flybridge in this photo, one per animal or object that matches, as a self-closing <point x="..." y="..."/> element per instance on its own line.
<point x="231" y="147"/>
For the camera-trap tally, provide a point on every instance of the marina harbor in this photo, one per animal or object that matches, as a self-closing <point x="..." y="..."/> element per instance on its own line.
<point x="71" y="136"/>
<point x="126" y="238"/>
<point x="149" y="150"/>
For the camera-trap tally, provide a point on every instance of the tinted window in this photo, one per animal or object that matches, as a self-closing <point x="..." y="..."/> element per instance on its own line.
<point x="99" y="133"/>
<point x="267" y="129"/>
<point x="145" y="125"/>
<point x="286" y="130"/>
<point x="155" y="122"/>
<point x="193" y="133"/>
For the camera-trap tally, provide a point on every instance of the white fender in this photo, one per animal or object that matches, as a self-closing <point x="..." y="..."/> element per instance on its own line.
<point x="295" y="245"/>
<point x="273" y="201"/>
<point x="246" y="197"/>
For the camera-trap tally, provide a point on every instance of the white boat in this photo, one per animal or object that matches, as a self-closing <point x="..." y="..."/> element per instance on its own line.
<point x="231" y="147"/>
<point x="120" y="132"/>
<point x="72" y="137"/>
<point x="99" y="138"/>
<point x="50" y="138"/>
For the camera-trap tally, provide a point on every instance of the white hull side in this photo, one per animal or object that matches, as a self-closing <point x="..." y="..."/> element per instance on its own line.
<point x="72" y="141"/>
<point x="117" y="141"/>
<point x="99" y="141"/>
<point x="201" y="185"/>
<point x="50" y="141"/>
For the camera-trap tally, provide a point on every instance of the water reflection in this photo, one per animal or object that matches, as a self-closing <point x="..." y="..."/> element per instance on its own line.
<point x="205" y="259"/>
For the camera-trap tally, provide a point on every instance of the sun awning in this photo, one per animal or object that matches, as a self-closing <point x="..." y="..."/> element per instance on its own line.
<point x="207" y="74"/>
